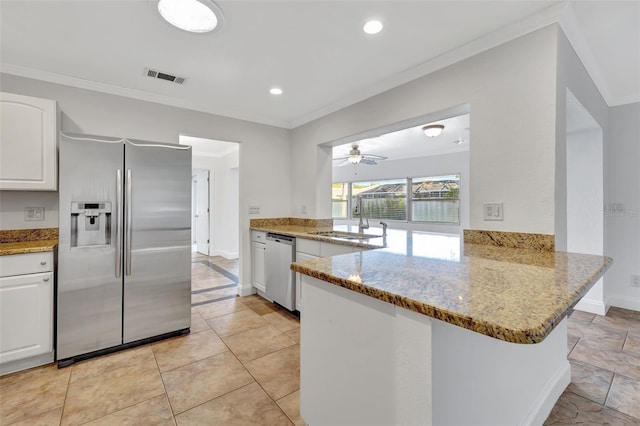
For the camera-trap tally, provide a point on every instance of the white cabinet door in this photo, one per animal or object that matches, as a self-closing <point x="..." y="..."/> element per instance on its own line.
<point x="28" y="137"/>
<point x="258" y="271"/>
<point x="26" y="316"/>
<point x="299" y="258"/>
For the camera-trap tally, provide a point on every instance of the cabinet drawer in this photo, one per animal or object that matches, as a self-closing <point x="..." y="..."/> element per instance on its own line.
<point x="328" y="249"/>
<point x="259" y="236"/>
<point x="30" y="263"/>
<point x="311" y="247"/>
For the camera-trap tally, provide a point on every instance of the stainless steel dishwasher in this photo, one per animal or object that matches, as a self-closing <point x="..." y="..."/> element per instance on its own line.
<point x="280" y="285"/>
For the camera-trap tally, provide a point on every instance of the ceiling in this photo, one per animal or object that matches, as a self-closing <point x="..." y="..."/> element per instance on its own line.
<point x="209" y="147"/>
<point x="315" y="51"/>
<point x="412" y="142"/>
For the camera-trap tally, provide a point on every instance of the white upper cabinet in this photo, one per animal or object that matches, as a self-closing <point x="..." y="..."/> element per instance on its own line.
<point x="28" y="138"/>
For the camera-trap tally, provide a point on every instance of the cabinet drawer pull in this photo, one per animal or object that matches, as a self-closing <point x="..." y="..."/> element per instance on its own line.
<point x="43" y="262"/>
<point x="45" y="279"/>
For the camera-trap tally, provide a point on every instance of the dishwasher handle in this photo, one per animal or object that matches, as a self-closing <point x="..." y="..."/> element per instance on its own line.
<point x="283" y="239"/>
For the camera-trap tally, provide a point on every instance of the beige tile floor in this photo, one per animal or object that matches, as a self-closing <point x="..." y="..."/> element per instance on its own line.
<point x="240" y="366"/>
<point x="604" y="352"/>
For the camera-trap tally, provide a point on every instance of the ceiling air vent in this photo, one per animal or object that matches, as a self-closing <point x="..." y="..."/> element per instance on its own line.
<point x="164" y="76"/>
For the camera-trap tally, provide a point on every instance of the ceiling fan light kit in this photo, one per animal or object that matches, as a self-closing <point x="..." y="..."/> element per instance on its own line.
<point x="433" y="130"/>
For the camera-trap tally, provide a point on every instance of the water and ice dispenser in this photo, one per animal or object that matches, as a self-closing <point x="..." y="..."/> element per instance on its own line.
<point x="90" y="224"/>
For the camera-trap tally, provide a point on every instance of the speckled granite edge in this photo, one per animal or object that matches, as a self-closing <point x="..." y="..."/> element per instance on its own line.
<point x="544" y="242"/>
<point x="22" y="235"/>
<point x="23" y="241"/>
<point x="523" y="336"/>
<point x="291" y="221"/>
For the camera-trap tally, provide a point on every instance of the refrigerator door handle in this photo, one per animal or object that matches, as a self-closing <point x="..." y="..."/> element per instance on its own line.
<point x="118" y="223"/>
<point x="127" y="226"/>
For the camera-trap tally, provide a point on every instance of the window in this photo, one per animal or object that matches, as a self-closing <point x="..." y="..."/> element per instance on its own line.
<point x="340" y="200"/>
<point x="385" y="199"/>
<point x="434" y="199"/>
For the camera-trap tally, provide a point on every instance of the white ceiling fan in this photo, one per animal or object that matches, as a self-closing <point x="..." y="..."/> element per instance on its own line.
<point x="357" y="157"/>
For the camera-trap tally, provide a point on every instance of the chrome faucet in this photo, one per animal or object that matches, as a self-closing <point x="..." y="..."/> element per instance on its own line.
<point x="384" y="228"/>
<point x="361" y="225"/>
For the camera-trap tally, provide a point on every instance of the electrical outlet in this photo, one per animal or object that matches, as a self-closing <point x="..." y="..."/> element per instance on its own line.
<point x="635" y="280"/>
<point x="254" y="209"/>
<point x="33" y="213"/>
<point x="492" y="211"/>
<point x="303" y="209"/>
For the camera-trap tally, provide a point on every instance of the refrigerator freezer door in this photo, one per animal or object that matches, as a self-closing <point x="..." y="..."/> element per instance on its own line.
<point x="89" y="295"/>
<point x="157" y="251"/>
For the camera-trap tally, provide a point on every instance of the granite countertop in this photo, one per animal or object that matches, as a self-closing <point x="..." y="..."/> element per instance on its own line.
<point x="512" y="294"/>
<point x="22" y="241"/>
<point x="509" y="286"/>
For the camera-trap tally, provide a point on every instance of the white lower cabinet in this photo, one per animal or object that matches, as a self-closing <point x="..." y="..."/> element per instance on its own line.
<point x="258" y="271"/>
<point x="310" y="249"/>
<point x="26" y="308"/>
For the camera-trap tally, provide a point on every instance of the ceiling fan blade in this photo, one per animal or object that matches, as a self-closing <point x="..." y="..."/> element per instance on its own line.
<point x="375" y="157"/>
<point x="368" y="161"/>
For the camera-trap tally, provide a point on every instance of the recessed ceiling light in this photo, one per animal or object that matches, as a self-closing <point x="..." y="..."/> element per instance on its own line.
<point x="196" y="16"/>
<point x="275" y="91"/>
<point x="372" y="27"/>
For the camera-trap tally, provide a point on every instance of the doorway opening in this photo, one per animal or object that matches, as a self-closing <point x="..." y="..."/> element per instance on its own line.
<point x="215" y="227"/>
<point x="585" y="193"/>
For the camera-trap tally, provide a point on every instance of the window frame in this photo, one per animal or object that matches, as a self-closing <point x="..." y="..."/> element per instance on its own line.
<point x="409" y="199"/>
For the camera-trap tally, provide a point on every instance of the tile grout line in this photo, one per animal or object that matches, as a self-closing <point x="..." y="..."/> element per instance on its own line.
<point x="164" y="386"/>
<point x="66" y="394"/>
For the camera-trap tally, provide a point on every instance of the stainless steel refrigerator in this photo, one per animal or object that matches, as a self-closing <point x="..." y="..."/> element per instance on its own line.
<point x="124" y="255"/>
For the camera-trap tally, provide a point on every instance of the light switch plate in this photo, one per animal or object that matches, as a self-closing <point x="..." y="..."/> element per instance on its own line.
<point x="254" y="209"/>
<point x="492" y="211"/>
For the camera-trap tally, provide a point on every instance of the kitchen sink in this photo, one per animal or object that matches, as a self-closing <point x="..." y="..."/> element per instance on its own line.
<point x="345" y="235"/>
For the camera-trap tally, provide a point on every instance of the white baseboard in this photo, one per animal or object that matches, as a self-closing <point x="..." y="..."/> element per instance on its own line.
<point x="625" y="302"/>
<point x="549" y="396"/>
<point x="592" y="306"/>
<point x="225" y="254"/>
<point x="246" y="290"/>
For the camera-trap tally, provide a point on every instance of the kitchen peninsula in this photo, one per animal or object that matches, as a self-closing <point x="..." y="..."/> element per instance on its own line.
<point x="419" y="333"/>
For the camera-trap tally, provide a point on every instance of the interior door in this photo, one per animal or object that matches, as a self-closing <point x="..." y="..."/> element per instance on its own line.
<point x="202" y="179"/>
<point x="157" y="239"/>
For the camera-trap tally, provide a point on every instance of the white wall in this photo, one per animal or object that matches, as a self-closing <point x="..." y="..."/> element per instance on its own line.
<point x="85" y="111"/>
<point x="225" y="207"/>
<point x="622" y="186"/>
<point x="223" y="202"/>
<point x="415" y="167"/>
<point x="511" y="93"/>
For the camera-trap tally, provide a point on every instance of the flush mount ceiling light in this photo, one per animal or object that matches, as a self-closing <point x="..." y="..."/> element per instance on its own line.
<point x="275" y="91"/>
<point x="196" y="16"/>
<point x="433" y="130"/>
<point x="372" y="27"/>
